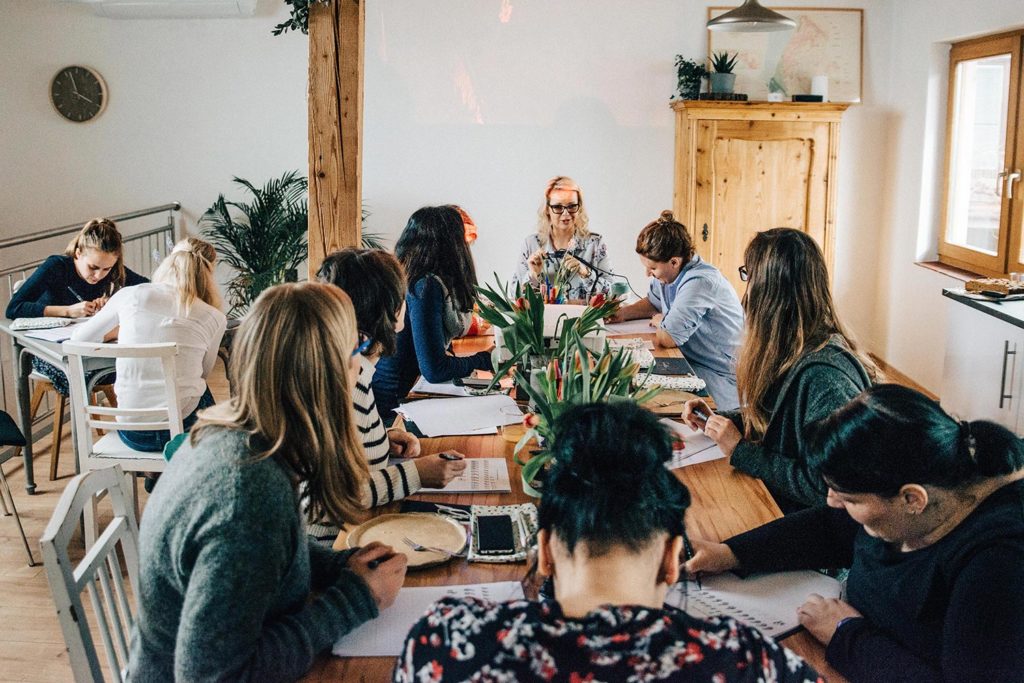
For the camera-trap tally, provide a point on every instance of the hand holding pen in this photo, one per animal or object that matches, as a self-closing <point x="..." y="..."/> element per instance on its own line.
<point x="720" y="429"/>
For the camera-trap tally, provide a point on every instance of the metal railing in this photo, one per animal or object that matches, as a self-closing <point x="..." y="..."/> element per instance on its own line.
<point x="145" y="246"/>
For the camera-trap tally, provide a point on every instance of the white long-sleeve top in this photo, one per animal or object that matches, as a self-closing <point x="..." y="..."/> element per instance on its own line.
<point x="147" y="314"/>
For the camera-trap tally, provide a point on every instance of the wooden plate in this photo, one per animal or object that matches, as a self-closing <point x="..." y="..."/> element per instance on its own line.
<point x="424" y="528"/>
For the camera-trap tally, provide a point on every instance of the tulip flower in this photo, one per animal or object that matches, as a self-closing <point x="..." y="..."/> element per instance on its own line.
<point x="530" y="420"/>
<point x="597" y="300"/>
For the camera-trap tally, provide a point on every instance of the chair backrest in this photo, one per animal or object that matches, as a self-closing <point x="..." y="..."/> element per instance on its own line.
<point x="101" y="567"/>
<point x="86" y="417"/>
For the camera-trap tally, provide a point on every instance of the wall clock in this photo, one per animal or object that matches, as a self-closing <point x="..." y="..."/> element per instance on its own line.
<point x="78" y="93"/>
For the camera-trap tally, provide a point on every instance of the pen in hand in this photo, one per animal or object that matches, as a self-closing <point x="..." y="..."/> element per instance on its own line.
<point x="688" y="549"/>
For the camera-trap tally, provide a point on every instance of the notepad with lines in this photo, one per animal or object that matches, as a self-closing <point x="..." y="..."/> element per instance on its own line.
<point x="768" y="602"/>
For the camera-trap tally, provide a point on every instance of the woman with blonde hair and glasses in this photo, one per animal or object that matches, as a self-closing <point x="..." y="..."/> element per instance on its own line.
<point x="563" y="244"/>
<point x="797" y="365"/>
<point x="227" y="573"/>
<point x="181" y="305"/>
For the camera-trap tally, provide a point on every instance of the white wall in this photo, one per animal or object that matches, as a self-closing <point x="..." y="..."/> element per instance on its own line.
<point x="910" y="309"/>
<point x="464" y="107"/>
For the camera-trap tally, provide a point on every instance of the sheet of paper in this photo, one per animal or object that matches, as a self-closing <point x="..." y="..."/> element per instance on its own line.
<point x="768" y="602"/>
<point x="442" y="389"/>
<point x="480" y="476"/>
<point x="384" y="636"/>
<point x="641" y="326"/>
<point x="552" y="313"/>
<point x="54" y="334"/>
<point x="698" y="446"/>
<point x="452" y="416"/>
<point x="631" y="342"/>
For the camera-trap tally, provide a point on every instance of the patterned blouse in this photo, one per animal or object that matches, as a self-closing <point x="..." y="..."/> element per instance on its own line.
<point x="470" y="639"/>
<point x="590" y="249"/>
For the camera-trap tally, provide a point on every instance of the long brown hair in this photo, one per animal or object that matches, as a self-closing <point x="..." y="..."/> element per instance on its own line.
<point x="375" y="282"/>
<point x="101" y="234"/>
<point x="290" y="364"/>
<point x="789" y="313"/>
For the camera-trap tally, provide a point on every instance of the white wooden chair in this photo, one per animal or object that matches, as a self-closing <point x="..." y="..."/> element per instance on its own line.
<point x="99" y="573"/>
<point x="109" y="450"/>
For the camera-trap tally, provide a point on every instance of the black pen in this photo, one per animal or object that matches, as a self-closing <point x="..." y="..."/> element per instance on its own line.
<point x="701" y="416"/>
<point x="450" y="456"/>
<point x="688" y="549"/>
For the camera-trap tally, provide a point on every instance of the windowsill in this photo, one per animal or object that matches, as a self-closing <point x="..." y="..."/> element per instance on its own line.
<point x="948" y="270"/>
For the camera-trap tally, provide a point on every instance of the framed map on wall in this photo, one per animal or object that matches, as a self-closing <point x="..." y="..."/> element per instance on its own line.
<point x="825" y="42"/>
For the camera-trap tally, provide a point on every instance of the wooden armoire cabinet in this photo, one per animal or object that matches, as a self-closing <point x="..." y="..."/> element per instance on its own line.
<point x="743" y="167"/>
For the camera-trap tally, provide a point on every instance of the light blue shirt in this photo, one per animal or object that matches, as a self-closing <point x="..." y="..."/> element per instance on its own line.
<point x="704" y="317"/>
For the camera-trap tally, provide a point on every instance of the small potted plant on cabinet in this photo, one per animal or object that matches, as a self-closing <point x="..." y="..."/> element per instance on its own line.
<point x="723" y="80"/>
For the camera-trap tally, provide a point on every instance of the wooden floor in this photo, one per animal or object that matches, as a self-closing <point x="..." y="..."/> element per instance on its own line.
<point x="31" y="645"/>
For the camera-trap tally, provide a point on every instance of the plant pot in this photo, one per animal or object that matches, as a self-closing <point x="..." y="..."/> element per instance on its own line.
<point x="723" y="83"/>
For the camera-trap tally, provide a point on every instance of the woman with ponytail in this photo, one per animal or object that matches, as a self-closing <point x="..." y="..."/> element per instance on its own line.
<point x="928" y="514"/>
<point x="612" y="558"/>
<point x="75" y="284"/>
<point x="797" y="364"/>
<point x="181" y="305"/>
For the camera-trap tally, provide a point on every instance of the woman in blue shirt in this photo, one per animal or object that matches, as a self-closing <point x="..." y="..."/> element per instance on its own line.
<point x="691" y="305"/>
<point x="439" y="306"/>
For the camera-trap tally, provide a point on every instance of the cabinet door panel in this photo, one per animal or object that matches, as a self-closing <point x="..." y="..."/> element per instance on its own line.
<point x="756" y="175"/>
<point x="981" y="378"/>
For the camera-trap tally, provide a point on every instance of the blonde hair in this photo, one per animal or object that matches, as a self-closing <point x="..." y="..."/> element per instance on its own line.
<point x="189" y="269"/>
<point x="290" y="364"/>
<point x="579" y="222"/>
<point x="789" y="313"/>
<point x="102" y="235"/>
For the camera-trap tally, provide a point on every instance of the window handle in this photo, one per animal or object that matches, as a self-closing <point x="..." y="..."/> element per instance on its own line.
<point x="1000" y="179"/>
<point x="1011" y="178"/>
<point x="1007" y="352"/>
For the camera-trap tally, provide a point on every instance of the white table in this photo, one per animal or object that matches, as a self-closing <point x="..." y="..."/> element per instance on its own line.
<point x="24" y="347"/>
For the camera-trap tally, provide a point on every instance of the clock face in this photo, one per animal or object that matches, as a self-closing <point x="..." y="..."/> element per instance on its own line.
<point x="78" y="93"/>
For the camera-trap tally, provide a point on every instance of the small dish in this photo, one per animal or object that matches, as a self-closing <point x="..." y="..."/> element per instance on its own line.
<point x="425" y="528"/>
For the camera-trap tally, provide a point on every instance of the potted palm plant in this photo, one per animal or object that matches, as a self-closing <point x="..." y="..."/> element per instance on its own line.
<point x="266" y="243"/>
<point x="723" y="80"/>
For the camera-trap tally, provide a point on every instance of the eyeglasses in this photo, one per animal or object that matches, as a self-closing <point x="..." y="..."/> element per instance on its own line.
<point x="744" y="275"/>
<point x="365" y="342"/>
<point x="559" y="209"/>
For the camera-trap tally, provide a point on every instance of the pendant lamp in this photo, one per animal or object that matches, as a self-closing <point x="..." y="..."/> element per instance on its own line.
<point x="751" y="17"/>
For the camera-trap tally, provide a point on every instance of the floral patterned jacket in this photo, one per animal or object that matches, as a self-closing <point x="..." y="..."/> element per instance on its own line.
<point x="591" y="251"/>
<point x="469" y="639"/>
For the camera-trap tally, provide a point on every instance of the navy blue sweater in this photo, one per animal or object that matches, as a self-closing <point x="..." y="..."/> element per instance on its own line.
<point x="422" y="348"/>
<point x="56" y="283"/>
<point x="948" y="612"/>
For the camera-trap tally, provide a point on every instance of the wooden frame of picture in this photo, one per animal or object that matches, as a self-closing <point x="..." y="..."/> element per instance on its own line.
<point x="831" y="43"/>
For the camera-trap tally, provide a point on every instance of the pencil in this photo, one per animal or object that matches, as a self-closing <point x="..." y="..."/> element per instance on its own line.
<point x="75" y="294"/>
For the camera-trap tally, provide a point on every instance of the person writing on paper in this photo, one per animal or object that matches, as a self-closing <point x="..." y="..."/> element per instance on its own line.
<point x="374" y="281"/>
<point x="612" y="558"/>
<point x="74" y="284"/>
<point x="691" y="305"/>
<point x="928" y="514"/>
<point x="563" y="253"/>
<point x="797" y="364"/>
<point x="226" y="572"/>
<point x="439" y="304"/>
<point x="181" y="305"/>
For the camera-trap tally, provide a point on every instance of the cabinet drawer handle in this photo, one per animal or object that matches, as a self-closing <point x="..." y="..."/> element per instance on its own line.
<point x="704" y="232"/>
<point x="1003" y="396"/>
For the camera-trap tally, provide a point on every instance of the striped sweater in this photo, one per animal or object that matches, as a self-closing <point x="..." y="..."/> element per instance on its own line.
<point x="387" y="482"/>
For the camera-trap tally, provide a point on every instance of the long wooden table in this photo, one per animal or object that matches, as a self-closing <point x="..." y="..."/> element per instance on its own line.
<point x="724" y="503"/>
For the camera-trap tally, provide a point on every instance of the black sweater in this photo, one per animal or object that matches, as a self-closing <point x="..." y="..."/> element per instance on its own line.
<point x="953" y="611"/>
<point x="56" y="283"/>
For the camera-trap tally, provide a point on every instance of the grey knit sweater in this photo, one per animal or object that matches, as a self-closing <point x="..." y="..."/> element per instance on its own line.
<point x="815" y="387"/>
<point x="227" y="570"/>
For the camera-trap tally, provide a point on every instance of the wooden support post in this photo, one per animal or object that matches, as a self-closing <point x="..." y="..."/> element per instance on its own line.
<point x="335" y="126"/>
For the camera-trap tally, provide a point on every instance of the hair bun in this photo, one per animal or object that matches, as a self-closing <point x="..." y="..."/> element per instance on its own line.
<point x="666" y="217"/>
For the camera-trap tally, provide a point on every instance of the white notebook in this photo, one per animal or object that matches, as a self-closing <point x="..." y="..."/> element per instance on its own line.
<point x="768" y="602"/>
<point x="482" y="475"/>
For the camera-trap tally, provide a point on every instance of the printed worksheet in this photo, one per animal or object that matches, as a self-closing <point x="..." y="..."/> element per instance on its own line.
<point x="697" y="446"/>
<point x="383" y="636"/>
<point x="482" y="475"/>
